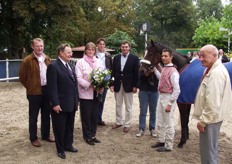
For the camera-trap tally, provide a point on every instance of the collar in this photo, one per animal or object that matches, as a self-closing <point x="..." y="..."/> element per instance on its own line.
<point x="125" y="55"/>
<point x="169" y="65"/>
<point x="62" y="61"/>
<point x="215" y="64"/>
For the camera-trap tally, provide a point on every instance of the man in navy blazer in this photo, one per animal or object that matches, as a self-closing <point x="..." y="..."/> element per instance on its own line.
<point x="125" y="74"/>
<point x="62" y="91"/>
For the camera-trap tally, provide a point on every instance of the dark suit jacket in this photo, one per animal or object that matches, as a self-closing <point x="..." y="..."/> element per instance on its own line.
<point x="129" y="75"/>
<point x="225" y="59"/>
<point x="62" y="87"/>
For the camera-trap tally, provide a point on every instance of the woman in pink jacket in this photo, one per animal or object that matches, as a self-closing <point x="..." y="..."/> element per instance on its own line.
<point x="87" y="94"/>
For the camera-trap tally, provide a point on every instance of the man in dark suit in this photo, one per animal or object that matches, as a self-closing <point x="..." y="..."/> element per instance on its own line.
<point x="125" y="74"/>
<point x="62" y="90"/>
<point x="223" y="57"/>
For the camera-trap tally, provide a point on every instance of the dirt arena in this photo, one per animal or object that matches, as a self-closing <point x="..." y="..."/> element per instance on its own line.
<point x="116" y="147"/>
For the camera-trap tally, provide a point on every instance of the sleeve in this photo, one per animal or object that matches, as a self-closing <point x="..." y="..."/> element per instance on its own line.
<point x="23" y="74"/>
<point x="52" y="85"/>
<point x="176" y="87"/>
<point x="157" y="73"/>
<point x="80" y="75"/>
<point x="136" y="72"/>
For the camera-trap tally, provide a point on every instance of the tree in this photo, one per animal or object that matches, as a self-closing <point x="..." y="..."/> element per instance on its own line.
<point x="208" y="8"/>
<point x="173" y="22"/>
<point x="114" y="41"/>
<point x="208" y="33"/>
<point x="74" y="21"/>
<point x="102" y="17"/>
<point x="227" y="16"/>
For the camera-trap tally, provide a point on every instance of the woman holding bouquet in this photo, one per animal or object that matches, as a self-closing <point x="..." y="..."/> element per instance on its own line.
<point x="88" y="93"/>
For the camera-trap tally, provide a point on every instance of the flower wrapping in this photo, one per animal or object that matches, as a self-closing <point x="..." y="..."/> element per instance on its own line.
<point x="100" y="79"/>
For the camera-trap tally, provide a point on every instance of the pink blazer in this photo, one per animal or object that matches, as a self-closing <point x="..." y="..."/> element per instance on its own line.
<point x="83" y="71"/>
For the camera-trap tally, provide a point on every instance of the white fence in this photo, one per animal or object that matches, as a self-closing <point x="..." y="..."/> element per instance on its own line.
<point x="6" y="69"/>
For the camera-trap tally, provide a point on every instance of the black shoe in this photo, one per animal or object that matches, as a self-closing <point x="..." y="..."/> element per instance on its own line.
<point x="94" y="139"/>
<point x="90" y="142"/>
<point x="181" y="144"/>
<point x="102" y="123"/>
<point x="158" y="144"/>
<point x="163" y="149"/>
<point x="61" y="155"/>
<point x="72" y="149"/>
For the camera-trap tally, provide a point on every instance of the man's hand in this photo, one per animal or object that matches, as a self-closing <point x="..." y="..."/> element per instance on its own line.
<point x="168" y="108"/>
<point x="57" y="108"/>
<point x="134" y="89"/>
<point x="200" y="128"/>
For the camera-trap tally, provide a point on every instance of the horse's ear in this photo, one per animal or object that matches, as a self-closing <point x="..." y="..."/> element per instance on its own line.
<point x="152" y="43"/>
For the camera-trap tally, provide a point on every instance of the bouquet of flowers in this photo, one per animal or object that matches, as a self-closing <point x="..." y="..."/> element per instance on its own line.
<point x="100" y="79"/>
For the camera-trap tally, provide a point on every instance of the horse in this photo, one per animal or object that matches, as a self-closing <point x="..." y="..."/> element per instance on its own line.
<point x="190" y="79"/>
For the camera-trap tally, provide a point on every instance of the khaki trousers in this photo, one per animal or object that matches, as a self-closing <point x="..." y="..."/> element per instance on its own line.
<point x="127" y="97"/>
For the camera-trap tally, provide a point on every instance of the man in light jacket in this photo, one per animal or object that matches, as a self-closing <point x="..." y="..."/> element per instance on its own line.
<point x="212" y="103"/>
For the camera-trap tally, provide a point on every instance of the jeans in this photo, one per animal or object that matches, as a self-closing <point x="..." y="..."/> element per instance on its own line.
<point x="101" y="106"/>
<point x="147" y="98"/>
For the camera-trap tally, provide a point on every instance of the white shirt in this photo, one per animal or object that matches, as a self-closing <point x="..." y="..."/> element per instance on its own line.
<point x="123" y="61"/>
<point x="102" y="57"/>
<point x="42" y="69"/>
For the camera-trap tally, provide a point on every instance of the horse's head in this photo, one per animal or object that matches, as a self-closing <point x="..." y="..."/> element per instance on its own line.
<point x="154" y="52"/>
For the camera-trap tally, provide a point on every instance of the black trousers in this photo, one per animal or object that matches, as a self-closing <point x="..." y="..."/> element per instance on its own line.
<point x="89" y="117"/>
<point x="36" y="103"/>
<point x="63" y="126"/>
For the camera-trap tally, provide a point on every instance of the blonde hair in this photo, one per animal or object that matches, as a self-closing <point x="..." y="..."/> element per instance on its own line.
<point x="36" y="39"/>
<point x="90" y="45"/>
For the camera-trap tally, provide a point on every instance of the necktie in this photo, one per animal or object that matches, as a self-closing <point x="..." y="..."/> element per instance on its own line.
<point x="69" y="71"/>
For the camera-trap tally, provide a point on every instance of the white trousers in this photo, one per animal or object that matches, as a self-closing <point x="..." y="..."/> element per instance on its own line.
<point x="165" y="121"/>
<point x="128" y="98"/>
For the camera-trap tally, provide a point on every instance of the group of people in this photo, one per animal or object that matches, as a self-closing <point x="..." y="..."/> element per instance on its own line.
<point x="57" y="87"/>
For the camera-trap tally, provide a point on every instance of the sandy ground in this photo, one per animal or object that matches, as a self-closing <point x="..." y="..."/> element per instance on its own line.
<point x="116" y="147"/>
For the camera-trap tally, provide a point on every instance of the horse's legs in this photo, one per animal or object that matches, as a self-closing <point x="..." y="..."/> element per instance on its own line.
<point x="184" y="110"/>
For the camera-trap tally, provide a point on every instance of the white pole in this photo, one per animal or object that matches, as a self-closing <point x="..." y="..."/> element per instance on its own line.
<point x="145" y="39"/>
<point x="7" y="69"/>
<point x="229" y="42"/>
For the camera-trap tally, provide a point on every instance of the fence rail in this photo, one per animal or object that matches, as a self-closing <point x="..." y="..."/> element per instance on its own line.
<point x="9" y="68"/>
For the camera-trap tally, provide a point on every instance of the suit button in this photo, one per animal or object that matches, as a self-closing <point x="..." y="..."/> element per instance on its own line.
<point x="121" y="74"/>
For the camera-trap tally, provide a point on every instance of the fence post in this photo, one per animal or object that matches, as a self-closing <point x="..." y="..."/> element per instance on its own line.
<point x="7" y="69"/>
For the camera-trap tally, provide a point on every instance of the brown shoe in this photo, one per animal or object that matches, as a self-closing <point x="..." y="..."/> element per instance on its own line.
<point x="49" y="139"/>
<point x="36" y="143"/>
<point x="115" y="126"/>
<point x="126" y="129"/>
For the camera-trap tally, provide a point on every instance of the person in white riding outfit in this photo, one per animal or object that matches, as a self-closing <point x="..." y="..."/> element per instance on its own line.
<point x="169" y="91"/>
